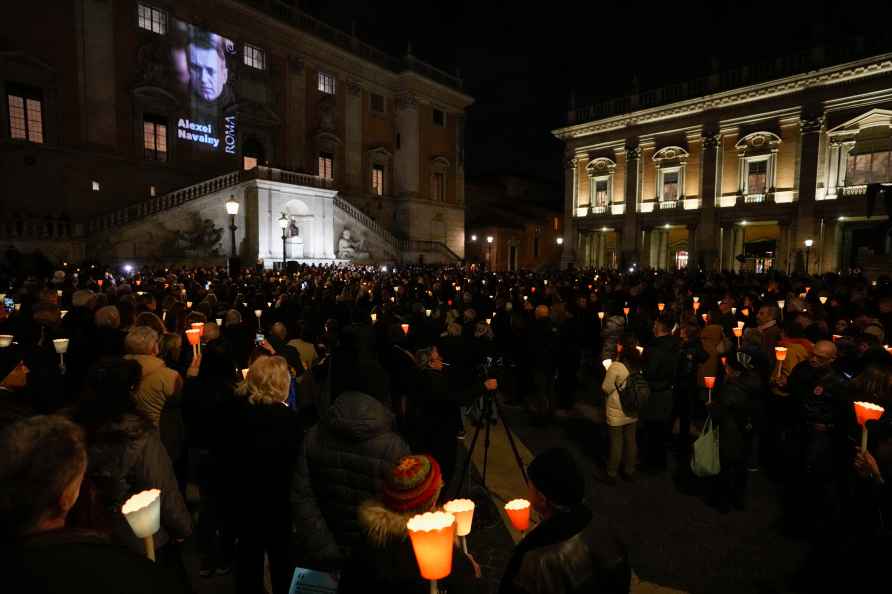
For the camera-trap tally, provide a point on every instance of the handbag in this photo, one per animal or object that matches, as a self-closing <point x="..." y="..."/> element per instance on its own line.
<point x="705" y="459"/>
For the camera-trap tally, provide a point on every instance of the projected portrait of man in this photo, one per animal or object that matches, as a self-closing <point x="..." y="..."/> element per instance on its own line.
<point x="207" y="66"/>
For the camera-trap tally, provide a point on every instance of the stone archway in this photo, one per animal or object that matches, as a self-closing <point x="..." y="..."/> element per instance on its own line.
<point x="299" y="230"/>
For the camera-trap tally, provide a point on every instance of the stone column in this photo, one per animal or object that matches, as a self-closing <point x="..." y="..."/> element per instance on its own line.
<point x="692" y="247"/>
<point x="406" y="160"/>
<point x="630" y="248"/>
<point x="727" y="243"/>
<point x="783" y="238"/>
<point x="810" y="128"/>
<point x="602" y="250"/>
<point x="296" y="116"/>
<point x="707" y="231"/>
<point x="570" y="235"/>
<point x="739" y="241"/>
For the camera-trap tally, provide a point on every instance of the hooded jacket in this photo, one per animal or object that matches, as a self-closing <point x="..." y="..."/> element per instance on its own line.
<point x="383" y="560"/>
<point x="344" y="461"/>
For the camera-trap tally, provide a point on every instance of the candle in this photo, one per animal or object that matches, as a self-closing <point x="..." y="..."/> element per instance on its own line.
<point x="63" y="313"/>
<point x="822" y="299"/>
<point x="5" y="340"/>
<point x="780" y="304"/>
<point x="198" y="326"/>
<point x="488" y="321"/>
<point x="696" y="305"/>
<point x="626" y="311"/>
<point x="724" y="360"/>
<point x="745" y="312"/>
<point x="59" y="293"/>
<point x="780" y="353"/>
<point x="697" y="299"/>
<point x="193" y="335"/>
<point x="606" y="363"/>
<point x="738" y="332"/>
<point x="257" y="313"/>
<point x="867" y="411"/>
<point x="661" y="306"/>
<point x="374" y="317"/>
<point x="219" y="321"/>
<point x="431" y="535"/>
<point x="741" y="324"/>
<point x="518" y="511"/>
<point x="733" y="311"/>
<point x="463" y="510"/>
<point x="188" y="305"/>
<point x="143" y="513"/>
<point x="601" y="315"/>
<point x="427" y="313"/>
<point x="640" y="349"/>
<point x="405" y="328"/>
<point x="836" y="337"/>
<point x="245" y="373"/>
<point x="709" y="382"/>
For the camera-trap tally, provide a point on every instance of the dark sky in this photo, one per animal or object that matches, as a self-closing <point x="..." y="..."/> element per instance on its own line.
<point x="521" y="63"/>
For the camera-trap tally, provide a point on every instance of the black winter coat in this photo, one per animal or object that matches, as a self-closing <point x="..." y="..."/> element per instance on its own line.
<point x="344" y="461"/>
<point x="660" y="365"/>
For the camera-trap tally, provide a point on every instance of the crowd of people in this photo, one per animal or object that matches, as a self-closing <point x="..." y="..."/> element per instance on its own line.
<point x="316" y="411"/>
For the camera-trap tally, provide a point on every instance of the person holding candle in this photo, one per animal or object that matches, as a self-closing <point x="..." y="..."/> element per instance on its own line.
<point x="660" y="366"/>
<point x="732" y="412"/>
<point x="621" y="424"/>
<point x="572" y="550"/>
<point x="41" y="477"/>
<point x="384" y="561"/>
<point x="766" y="318"/>
<point x="126" y="455"/>
<point x="690" y="357"/>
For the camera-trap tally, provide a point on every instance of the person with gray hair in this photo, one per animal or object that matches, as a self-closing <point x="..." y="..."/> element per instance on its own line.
<point x="108" y="338"/>
<point x="158" y="384"/>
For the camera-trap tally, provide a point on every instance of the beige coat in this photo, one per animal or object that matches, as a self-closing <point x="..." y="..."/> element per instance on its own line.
<point x="617" y="374"/>
<point x="157" y="386"/>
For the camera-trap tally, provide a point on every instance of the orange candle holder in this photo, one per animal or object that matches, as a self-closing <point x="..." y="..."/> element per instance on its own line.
<point x="738" y="332"/>
<point x="405" y="328"/>
<point x="867" y="411"/>
<point x="745" y="312"/>
<point x="518" y="511"/>
<point x="661" y="306"/>
<point x="432" y="535"/>
<point x="696" y="305"/>
<point x="836" y="337"/>
<point x="626" y="311"/>
<point x="780" y="353"/>
<point x="198" y="326"/>
<point x="709" y="382"/>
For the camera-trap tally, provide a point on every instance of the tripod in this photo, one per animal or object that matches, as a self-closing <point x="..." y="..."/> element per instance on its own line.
<point x="489" y="401"/>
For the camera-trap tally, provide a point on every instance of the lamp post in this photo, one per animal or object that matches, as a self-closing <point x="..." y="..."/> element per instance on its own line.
<point x="489" y="239"/>
<point x="283" y="223"/>
<point x="232" y="210"/>
<point x="808" y="244"/>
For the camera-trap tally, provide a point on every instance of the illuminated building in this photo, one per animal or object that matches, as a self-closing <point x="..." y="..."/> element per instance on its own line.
<point x="120" y="120"/>
<point x="736" y="170"/>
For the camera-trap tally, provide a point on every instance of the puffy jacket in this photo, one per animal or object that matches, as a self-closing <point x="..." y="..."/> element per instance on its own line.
<point x="384" y="560"/>
<point x="127" y="457"/>
<point x="343" y="463"/>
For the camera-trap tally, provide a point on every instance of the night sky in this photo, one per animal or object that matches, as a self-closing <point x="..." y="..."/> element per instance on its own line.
<point x="521" y="63"/>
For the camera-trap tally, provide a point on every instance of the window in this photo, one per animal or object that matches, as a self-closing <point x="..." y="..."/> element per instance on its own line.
<point x="255" y="57"/>
<point x="868" y="168"/>
<point x="155" y="138"/>
<point x="26" y="115"/>
<point x="96" y="186"/>
<point x="326" y="83"/>
<point x="681" y="259"/>
<point x="670" y="186"/>
<point x="601" y="192"/>
<point x="152" y="191"/>
<point x="378" y="180"/>
<point x="249" y="162"/>
<point x="440" y="118"/>
<point x="377" y="103"/>
<point x="326" y="162"/>
<point x="438" y="187"/>
<point x="757" y="177"/>
<point x="152" y="19"/>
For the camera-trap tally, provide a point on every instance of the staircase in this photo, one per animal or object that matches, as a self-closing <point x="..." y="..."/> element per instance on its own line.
<point x="135" y="213"/>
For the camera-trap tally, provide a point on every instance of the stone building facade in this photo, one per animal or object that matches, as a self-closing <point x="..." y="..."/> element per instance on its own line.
<point x="109" y="107"/>
<point x="760" y="168"/>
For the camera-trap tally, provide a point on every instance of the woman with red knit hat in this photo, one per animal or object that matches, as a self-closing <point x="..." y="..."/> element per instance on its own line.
<point x="385" y="561"/>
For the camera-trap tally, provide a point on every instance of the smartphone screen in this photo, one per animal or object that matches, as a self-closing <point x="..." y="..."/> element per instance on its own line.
<point x="9" y="303"/>
<point x="259" y="338"/>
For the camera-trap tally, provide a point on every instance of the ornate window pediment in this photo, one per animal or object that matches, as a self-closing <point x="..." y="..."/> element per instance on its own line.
<point x="600" y="166"/>
<point x="757" y="142"/>
<point x="869" y="119"/>
<point x="670" y="154"/>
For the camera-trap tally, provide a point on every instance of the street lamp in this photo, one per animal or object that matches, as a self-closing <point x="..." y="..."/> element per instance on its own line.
<point x="489" y="239"/>
<point x="283" y="223"/>
<point x="232" y="210"/>
<point x="808" y="244"/>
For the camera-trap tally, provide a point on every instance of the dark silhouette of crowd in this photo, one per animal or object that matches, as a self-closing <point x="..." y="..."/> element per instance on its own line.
<point x="302" y="418"/>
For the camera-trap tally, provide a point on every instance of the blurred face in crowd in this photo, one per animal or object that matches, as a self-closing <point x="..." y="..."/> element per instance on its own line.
<point x="765" y="315"/>
<point x="824" y="354"/>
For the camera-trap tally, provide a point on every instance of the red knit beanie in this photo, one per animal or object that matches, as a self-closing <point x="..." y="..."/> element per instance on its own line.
<point x="413" y="484"/>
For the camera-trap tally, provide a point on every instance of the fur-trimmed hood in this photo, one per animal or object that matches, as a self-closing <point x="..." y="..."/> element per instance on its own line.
<point x="381" y="525"/>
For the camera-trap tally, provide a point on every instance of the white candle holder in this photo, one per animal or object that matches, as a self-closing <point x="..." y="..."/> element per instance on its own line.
<point x="6" y="340"/>
<point x="61" y="346"/>
<point x="143" y="513"/>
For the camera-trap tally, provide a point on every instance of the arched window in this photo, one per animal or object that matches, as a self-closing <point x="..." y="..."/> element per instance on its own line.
<point x="671" y="163"/>
<point x="757" y="165"/>
<point x="600" y="182"/>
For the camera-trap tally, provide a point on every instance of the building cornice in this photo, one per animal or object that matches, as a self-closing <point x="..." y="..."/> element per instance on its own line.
<point x="775" y="88"/>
